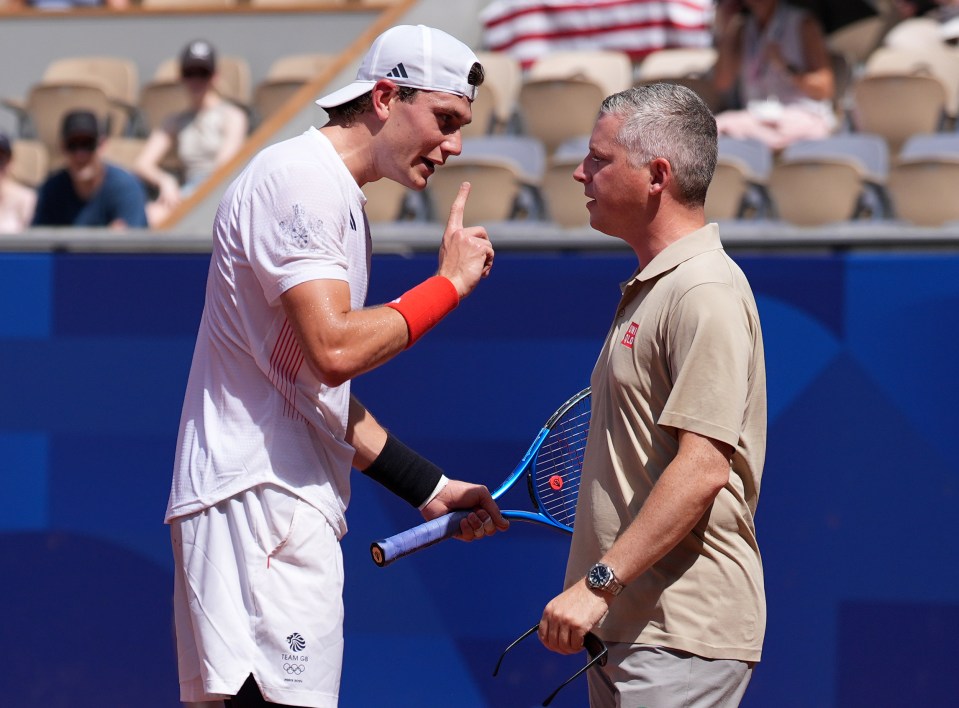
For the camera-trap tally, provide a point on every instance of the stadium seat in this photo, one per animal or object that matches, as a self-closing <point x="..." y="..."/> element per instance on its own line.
<point x="557" y="110"/>
<point x="563" y="197"/>
<point x="123" y="151"/>
<point x="158" y="99"/>
<point x="386" y="200"/>
<point x="30" y="163"/>
<point x="561" y="93"/>
<point x="924" y="181"/>
<point x="813" y="192"/>
<point x="690" y="67"/>
<point x="494" y="110"/>
<point x="739" y="188"/>
<point x="117" y="76"/>
<point x="505" y="172"/>
<point x="857" y="40"/>
<point x="41" y="115"/>
<point x="898" y="106"/>
<point x="920" y="104"/>
<point x="866" y="152"/>
<point x="913" y="33"/>
<point x="285" y="77"/>
<point x="187" y="4"/>
<point x="232" y="78"/>
<point x="612" y="71"/>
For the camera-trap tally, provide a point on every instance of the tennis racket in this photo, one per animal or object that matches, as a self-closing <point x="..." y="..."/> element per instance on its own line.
<point x="552" y="467"/>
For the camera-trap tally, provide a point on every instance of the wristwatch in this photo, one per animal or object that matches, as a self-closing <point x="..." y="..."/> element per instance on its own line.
<point x="602" y="577"/>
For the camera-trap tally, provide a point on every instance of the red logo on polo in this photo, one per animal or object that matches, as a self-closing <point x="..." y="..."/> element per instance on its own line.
<point x="630" y="337"/>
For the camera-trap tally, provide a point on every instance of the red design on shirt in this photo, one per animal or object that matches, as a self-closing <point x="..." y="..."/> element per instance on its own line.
<point x="630" y="337"/>
<point x="285" y="363"/>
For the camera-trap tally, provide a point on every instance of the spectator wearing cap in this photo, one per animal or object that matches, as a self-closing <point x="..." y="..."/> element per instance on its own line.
<point x="89" y="191"/>
<point x="203" y="137"/>
<point x="17" y="201"/>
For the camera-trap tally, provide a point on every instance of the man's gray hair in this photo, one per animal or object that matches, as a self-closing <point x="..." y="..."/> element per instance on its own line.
<point x="672" y="122"/>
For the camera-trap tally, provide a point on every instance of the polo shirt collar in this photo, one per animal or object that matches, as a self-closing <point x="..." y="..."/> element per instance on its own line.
<point x="694" y="244"/>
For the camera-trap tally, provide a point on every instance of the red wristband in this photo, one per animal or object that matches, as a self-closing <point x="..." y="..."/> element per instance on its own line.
<point x="425" y="305"/>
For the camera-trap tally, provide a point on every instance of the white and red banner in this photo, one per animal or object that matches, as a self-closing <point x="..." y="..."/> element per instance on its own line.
<point x="529" y="29"/>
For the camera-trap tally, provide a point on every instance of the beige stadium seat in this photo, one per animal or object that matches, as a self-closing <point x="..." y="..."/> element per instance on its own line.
<point x="123" y="151"/>
<point x="739" y="188"/>
<point x="612" y="71"/>
<point x="727" y="192"/>
<point x="233" y="78"/>
<point x="691" y="67"/>
<point x="302" y="67"/>
<point x="913" y="33"/>
<point x="303" y="3"/>
<point x="385" y="200"/>
<point x="563" y="197"/>
<point x="562" y="91"/>
<point x="47" y="103"/>
<point x="30" y="163"/>
<point x="867" y="153"/>
<point x="185" y="4"/>
<point x="935" y="60"/>
<point x="924" y="181"/>
<point x="923" y="192"/>
<point x="285" y="77"/>
<point x="505" y="172"/>
<point x="813" y="193"/>
<point x="495" y="107"/>
<point x="159" y="99"/>
<point x="898" y="106"/>
<point x="556" y="110"/>
<point x="857" y="40"/>
<point x="117" y="76"/>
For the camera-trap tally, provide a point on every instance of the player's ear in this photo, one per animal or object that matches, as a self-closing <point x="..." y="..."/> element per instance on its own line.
<point x="384" y="91"/>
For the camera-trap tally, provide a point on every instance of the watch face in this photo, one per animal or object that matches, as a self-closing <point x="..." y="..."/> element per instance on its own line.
<point x="599" y="576"/>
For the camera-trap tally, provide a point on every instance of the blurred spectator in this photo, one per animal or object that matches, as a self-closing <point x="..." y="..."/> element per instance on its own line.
<point x="205" y="136"/>
<point x="905" y="9"/>
<point x="774" y="62"/>
<point x="16" y="200"/>
<point x="940" y="10"/>
<point x="89" y="191"/>
<point x="68" y="4"/>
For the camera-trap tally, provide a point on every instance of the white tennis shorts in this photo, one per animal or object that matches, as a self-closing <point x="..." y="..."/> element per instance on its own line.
<point x="259" y="590"/>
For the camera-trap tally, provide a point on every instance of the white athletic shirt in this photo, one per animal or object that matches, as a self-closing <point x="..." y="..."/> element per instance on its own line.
<point x="253" y="412"/>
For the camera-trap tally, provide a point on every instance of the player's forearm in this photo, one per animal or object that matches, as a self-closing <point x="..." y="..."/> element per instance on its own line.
<point x="365" y="434"/>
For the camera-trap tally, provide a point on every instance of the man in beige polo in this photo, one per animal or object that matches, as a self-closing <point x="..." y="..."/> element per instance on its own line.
<point x="664" y="564"/>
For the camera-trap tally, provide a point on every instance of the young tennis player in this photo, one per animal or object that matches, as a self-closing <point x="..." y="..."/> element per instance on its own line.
<point x="269" y="431"/>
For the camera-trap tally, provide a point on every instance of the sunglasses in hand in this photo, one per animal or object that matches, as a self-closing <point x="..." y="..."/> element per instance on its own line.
<point x="594" y="647"/>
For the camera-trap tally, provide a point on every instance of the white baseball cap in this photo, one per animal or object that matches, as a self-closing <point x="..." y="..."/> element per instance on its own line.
<point x="414" y="56"/>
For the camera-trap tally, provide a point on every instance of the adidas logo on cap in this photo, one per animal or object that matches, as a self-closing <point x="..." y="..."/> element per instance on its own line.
<point x="398" y="72"/>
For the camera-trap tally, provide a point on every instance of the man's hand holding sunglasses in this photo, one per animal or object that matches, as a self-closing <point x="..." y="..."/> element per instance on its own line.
<point x="570" y="615"/>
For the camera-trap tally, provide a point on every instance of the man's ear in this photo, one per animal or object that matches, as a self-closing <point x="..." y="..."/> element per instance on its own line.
<point x="660" y="175"/>
<point x="384" y="91"/>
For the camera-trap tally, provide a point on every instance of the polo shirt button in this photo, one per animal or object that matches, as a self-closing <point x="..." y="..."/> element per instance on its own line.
<point x="621" y="313"/>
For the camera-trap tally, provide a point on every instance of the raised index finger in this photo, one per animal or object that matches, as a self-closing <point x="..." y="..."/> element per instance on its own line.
<point x="455" y="222"/>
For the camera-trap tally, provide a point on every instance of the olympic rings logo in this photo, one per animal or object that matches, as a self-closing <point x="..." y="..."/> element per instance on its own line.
<point x="296" y="669"/>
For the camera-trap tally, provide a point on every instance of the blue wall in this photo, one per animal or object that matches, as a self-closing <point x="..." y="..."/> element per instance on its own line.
<point x="856" y="516"/>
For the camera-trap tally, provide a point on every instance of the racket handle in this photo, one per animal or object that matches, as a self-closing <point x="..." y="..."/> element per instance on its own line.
<point x="402" y="544"/>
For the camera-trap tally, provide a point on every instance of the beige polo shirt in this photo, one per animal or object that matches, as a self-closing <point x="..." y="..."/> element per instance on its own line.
<point x="684" y="352"/>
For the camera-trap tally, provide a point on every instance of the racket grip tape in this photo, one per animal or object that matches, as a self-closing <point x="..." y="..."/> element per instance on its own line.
<point x="406" y="542"/>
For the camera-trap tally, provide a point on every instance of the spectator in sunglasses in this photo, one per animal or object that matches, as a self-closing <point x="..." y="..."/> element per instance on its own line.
<point x="88" y="191"/>
<point x="203" y="137"/>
